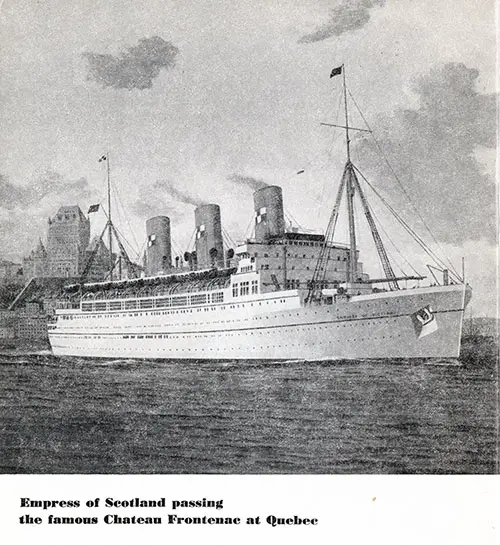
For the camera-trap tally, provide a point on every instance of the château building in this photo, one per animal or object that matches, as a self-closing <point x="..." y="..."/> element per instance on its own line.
<point x="68" y="249"/>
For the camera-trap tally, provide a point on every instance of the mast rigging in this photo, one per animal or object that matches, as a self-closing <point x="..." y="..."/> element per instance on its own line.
<point x="350" y="184"/>
<point x="131" y="266"/>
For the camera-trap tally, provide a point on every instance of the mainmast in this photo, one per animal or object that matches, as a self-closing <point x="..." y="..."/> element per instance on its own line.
<point x="352" y="271"/>
<point x="347" y="141"/>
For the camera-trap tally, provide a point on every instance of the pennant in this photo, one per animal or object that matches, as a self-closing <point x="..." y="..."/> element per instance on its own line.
<point x="102" y="158"/>
<point x="336" y="71"/>
<point x="93" y="208"/>
<point x="424" y="322"/>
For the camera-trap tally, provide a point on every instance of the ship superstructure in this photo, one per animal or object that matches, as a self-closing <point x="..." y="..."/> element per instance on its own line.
<point x="282" y="294"/>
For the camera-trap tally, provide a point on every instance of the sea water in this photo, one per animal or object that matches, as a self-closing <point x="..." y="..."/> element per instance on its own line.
<point x="70" y="415"/>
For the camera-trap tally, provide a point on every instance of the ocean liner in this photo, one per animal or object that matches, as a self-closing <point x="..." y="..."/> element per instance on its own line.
<point x="283" y="294"/>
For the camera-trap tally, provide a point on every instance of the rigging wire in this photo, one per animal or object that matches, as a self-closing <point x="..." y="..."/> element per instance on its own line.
<point x="329" y="148"/>
<point x="289" y="216"/>
<point x="142" y="251"/>
<point x="117" y="193"/>
<point x="402" y="221"/>
<point x="118" y="232"/>
<point x="101" y="207"/>
<point x="250" y="228"/>
<point x="191" y="241"/>
<point x="232" y="243"/>
<point x="317" y="161"/>
<point x="335" y="136"/>
<point x="226" y="243"/>
<point x="388" y="237"/>
<point x="450" y="264"/>
<point x="415" y="236"/>
<point x="124" y="239"/>
<point x="176" y="247"/>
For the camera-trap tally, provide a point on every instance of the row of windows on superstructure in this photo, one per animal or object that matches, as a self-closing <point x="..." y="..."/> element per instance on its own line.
<point x="160" y="302"/>
<point x="265" y="267"/>
<point x="294" y="284"/>
<point x="304" y="256"/>
<point x="182" y="311"/>
<point x="243" y="288"/>
<point x="301" y="243"/>
<point x="291" y="283"/>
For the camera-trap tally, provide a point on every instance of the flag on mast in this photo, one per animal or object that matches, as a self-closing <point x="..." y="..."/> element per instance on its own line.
<point x="93" y="208"/>
<point x="336" y="71"/>
<point x="102" y="158"/>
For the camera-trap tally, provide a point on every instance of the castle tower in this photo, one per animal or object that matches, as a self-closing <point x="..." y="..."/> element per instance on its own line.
<point x="67" y="241"/>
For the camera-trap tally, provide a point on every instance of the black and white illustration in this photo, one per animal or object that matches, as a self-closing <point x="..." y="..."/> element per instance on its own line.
<point x="248" y="237"/>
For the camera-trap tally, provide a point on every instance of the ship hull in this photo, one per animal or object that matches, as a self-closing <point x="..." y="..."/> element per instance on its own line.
<point x="417" y="323"/>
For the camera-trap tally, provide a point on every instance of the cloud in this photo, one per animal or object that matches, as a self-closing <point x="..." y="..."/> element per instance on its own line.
<point x="18" y="236"/>
<point x="12" y="195"/>
<point x="433" y="149"/>
<point x="348" y="16"/>
<point x="253" y="183"/>
<point x="49" y="184"/>
<point x="135" y="68"/>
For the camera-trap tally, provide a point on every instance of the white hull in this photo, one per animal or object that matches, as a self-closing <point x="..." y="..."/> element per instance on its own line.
<point x="273" y="326"/>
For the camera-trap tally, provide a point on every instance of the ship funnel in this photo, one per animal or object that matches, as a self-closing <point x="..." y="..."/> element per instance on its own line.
<point x="269" y="218"/>
<point x="209" y="246"/>
<point x="159" y="249"/>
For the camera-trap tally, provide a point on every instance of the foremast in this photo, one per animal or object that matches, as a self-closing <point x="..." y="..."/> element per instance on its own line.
<point x="111" y="231"/>
<point x="109" y="222"/>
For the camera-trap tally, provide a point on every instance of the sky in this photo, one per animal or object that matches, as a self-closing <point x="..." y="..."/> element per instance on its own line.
<point x="202" y="101"/>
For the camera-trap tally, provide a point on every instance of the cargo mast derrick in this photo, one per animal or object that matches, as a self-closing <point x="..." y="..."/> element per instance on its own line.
<point x="350" y="184"/>
<point x="110" y="228"/>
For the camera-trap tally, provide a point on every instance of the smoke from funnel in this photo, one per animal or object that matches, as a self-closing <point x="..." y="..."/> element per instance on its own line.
<point x="178" y="194"/>
<point x="253" y="183"/>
